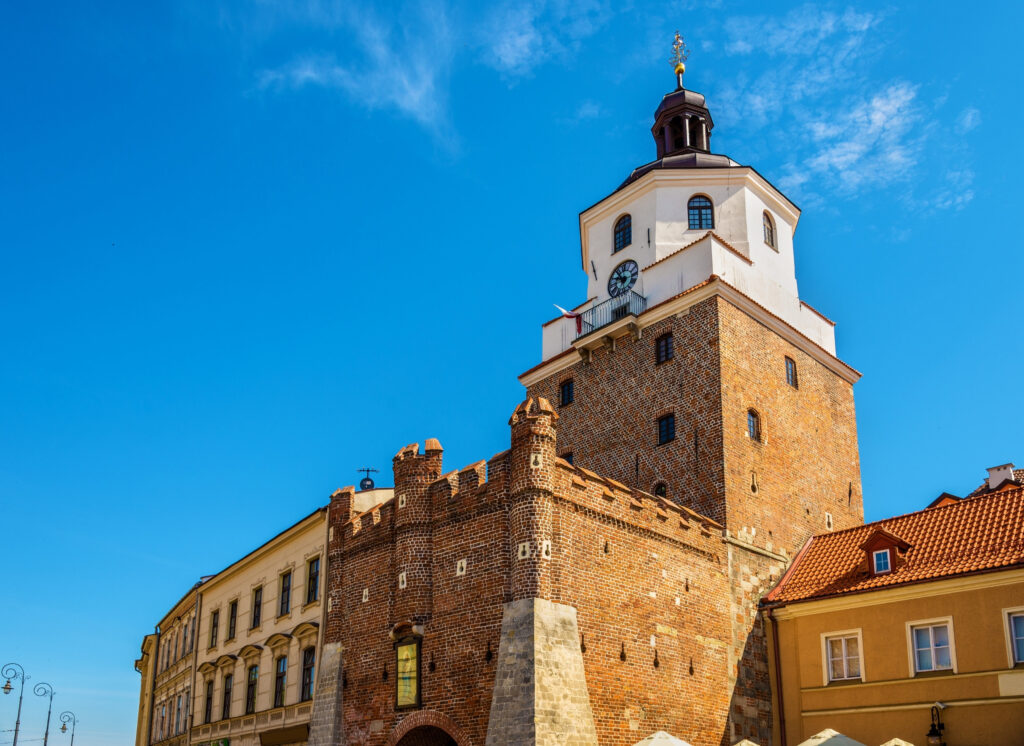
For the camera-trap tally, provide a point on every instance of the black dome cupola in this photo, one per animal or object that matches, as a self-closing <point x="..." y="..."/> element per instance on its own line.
<point x="682" y="128"/>
<point x="682" y="124"/>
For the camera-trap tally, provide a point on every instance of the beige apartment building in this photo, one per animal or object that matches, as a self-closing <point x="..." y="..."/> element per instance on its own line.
<point x="235" y="660"/>
<point x="166" y="667"/>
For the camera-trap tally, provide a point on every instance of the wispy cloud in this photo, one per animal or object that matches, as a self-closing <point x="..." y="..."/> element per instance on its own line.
<point x="871" y="143"/>
<point x="848" y="128"/>
<point x="969" y="119"/>
<point x="517" y="37"/>
<point x="402" y="67"/>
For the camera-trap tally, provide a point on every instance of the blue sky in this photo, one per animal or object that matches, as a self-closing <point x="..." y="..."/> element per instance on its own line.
<point x="249" y="247"/>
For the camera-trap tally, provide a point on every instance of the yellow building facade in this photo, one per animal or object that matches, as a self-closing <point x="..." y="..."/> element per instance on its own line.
<point x="872" y="661"/>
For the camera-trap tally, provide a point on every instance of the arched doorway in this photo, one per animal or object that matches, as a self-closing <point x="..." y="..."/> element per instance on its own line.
<point x="427" y="735"/>
<point x="428" y="728"/>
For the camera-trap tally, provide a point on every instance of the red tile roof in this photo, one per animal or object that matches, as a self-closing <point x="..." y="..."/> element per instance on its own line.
<point x="979" y="535"/>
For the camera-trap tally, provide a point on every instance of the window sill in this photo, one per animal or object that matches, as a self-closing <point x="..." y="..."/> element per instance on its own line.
<point x="286" y="615"/>
<point x="311" y="604"/>
<point x="934" y="674"/>
<point x="667" y="442"/>
<point x="663" y="362"/>
<point x="845" y="682"/>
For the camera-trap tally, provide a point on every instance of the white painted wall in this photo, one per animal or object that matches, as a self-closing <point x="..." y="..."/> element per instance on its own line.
<point x="658" y="205"/>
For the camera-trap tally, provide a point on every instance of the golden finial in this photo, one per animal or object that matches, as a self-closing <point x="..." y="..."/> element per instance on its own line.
<point x="680" y="52"/>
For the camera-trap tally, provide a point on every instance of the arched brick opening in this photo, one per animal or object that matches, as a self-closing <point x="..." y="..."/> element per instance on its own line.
<point x="427" y="735"/>
<point x="428" y="728"/>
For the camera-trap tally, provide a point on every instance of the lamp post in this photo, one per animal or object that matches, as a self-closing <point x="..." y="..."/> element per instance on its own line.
<point x="68" y="717"/>
<point x="14" y="671"/>
<point x="43" y="689"/>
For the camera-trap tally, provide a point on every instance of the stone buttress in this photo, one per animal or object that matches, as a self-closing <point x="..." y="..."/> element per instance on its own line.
<point x="540" y="690"/>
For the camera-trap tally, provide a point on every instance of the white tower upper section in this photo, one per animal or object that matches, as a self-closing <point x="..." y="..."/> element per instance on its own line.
<point x="689" y="220"/>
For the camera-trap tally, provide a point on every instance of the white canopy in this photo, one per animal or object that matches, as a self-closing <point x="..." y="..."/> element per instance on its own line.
<point x="829" y="737"/>
<point x="661" y="738"/>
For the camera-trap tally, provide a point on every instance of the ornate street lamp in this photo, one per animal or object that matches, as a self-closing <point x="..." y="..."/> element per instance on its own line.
<point x="43" y="689"/>
<point x="68" y="717"/>
<point x="16" y="672"/>
<point x="934" y="735"/>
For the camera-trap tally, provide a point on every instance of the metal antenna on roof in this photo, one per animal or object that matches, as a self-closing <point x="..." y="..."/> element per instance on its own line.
<point x="366" y="483"/>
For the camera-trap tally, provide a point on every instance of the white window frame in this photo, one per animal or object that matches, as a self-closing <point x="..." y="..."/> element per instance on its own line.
<point x="911" y="658"/>
<point x="888" y="561"/>
<point x="1008" y="634"/>
<point x="826" y="668"/>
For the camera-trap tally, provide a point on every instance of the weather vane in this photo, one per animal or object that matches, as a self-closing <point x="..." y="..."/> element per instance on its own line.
<point x="680" y="53"/>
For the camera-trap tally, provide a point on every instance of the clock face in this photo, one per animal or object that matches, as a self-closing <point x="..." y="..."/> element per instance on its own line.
<point x="623" y="278"/>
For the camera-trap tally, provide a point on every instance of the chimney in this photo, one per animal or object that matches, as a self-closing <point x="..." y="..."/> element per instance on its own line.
<point x="999" y="474"/>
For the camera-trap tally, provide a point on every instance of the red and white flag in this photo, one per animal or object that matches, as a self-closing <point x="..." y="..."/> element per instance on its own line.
<point x="572" y="315"/>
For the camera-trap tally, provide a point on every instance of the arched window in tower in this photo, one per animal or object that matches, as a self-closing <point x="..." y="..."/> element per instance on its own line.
<point x="754" y="425"/>
<point x="701" y="213"/>
<point x="661" y="490"/>
<point x="623" y="233"/>
<point x="769" y="229"/>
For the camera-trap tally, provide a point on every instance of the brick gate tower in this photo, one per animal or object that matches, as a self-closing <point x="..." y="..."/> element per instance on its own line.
<point x="693" y="370"/>
<point x="598" y="582"/>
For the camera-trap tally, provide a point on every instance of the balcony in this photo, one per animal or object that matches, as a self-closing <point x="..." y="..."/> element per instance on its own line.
<point x="609" y="319"/>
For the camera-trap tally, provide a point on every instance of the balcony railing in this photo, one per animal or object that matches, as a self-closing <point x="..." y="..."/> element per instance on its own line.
<point x="610" y="311"/>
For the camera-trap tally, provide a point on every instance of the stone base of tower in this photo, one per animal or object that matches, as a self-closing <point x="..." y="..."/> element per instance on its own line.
<point x="325" y="727"/>
<point x="540" y="691"/>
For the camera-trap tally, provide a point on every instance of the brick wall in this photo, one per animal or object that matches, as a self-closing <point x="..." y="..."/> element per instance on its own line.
<point x="724" y="363"/>
<point x="662" y="633"/>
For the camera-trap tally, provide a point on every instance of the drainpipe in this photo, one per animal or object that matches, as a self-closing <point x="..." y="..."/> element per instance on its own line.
<point x="778" y="675"/>
<point x="152" y="686"/>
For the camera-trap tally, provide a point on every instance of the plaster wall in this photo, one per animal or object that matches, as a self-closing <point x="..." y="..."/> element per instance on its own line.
<point x="984" y="692"/>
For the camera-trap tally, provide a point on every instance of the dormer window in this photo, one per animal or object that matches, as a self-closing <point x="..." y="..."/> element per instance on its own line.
<point x="883" y="551"/>
<point x="623" y="233"/>
<point x="769" y="229"/>
<point x="701" y="214"/>
<point x="880" y="561"/>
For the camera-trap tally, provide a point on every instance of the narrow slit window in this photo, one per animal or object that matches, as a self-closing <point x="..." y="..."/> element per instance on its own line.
<point x="769" y="229"/>
<point x="280" y="681"/>
<point x="753" y="426"/>
<point x="313" y="580"/>
<point x="791" y="376"/>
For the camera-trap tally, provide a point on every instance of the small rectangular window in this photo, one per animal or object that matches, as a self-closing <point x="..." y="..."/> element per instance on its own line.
<point x="666" y="429"/>
<point x="257" y="607"/>
<point x="232" y="619"/>
<point x="565" y="393"/>
<point x="1016" y="622"/>
<point x="791" y="378"/>
<point x="407" y="653"/>
<point x="567" y="456"/>
<point x="280" y="676"/>
<point x="313" y="580"/>
<point x="177" y="717"/>
<point x="308" y="665"/>
<point x="208" y="704"/>
<point x="285" y="602"/>
<point x="843" y="657"/>
<point x="881" y="561"/>
<point x="250" y="689"/>
<point x="931" y="648"/>
<point x="225" y="705"/>
<point x="214" y="624"/>
<point x="663" y="349"/>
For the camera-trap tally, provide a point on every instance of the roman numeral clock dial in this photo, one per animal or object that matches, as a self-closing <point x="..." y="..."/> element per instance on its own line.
<point x="623" y="278"/>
